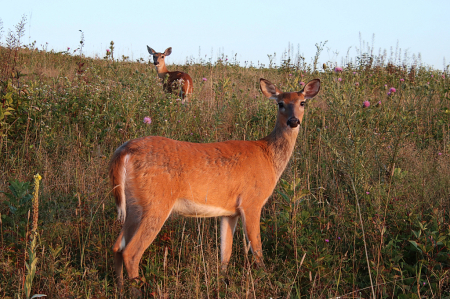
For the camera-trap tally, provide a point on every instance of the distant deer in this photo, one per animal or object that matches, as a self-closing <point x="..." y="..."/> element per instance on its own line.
<point x="171" y="79"/>
<point x="153" y="177"/>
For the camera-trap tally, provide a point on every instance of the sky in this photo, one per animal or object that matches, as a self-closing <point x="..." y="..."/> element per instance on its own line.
<point x="249" y="30"/>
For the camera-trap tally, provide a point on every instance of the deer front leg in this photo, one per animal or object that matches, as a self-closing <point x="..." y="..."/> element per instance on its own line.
<point x="227" y="227"/>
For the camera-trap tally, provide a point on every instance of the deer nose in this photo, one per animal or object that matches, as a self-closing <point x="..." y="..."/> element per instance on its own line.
<point x="293" y="122"/>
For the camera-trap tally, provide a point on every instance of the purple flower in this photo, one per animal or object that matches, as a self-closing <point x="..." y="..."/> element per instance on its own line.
<point x="432" y="76"/>
<point x="440" y="154"/>
<point x="337" y="69"/>
<point x="339" y="79"/>
<point x="147" y="120"/>
<point x="367" y="192"/>
<point x="366" y="104"/>
<point x="443" y="76"/>
<point x="290" y="75"/>
<point x="339" y="238"/>
<point x="392" y="90"/>
<point x="389" y="93"/>
<point x="301" y="83"/>
<point x="326" y="240"/>
<point x="354" y="73"/>
<point x="107" y="50"/>
<point x="379" y="103"/>
<point x="401" y="80"/>
<point x="204" y="79"/>
<point x="357" y="83"/>
<point x="428" y="82"/>
<point x="68" y="48"/>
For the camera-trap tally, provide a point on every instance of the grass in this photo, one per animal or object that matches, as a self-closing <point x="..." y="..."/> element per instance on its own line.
<point x="366" y="191"/>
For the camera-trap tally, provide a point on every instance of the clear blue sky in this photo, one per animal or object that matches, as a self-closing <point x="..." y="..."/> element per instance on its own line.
<point x="251" y="29"/>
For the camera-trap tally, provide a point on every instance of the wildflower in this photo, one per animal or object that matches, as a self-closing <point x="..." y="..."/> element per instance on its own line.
<point x="401" y="80"/>
<point x="68" y="48"/>
<point x="204" y="79"/>
<point x="326" y="240"/>
<point x="147" y="120"/>
<point x="428" y="82"/>
<point x="443" y="76"/>
<point x="385" y="86"/>
<point x="366" y="104"/>
<point x="339" y="79"/>
<point x="356" y="83"/>
<point x="339" y="238"/>
<point x="301" y="83"/>
<point x="432" y="76"/>
<point x="379" y="103"/>
<point x="337" y="69"/>
<point x="107" y="50"/>
<point x="290" y="75"/>
<point x="354" y="73"/>
<point x="367" y="192"/>
<point x="392" y="90"/>
<point x="440" y="154"/>
<point x="389" y="93"/>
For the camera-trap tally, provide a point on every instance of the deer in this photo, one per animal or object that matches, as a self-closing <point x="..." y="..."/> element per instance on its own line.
<point x="171" y="79"/>
<point x="153" y="177"/>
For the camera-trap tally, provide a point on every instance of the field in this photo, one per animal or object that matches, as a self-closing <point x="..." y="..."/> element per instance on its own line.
<point x="362" y="209"/>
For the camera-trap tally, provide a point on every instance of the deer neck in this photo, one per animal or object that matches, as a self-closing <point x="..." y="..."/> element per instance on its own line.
<point x="280" y="145"/>
<point x="162" y="70"/>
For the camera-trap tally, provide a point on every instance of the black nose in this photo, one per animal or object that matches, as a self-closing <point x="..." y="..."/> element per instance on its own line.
<point x="293" y="122"/>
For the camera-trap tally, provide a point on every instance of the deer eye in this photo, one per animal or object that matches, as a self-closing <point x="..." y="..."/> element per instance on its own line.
<point x="281" y="105"/>
<point x="303" y="103"/>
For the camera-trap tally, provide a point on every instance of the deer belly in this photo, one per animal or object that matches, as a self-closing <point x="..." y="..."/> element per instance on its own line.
<point x="189" y="208"/>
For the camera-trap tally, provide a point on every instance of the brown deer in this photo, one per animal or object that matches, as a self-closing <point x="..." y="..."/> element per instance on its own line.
<point x="153" y="177"/>
<point x="171" y="80"/>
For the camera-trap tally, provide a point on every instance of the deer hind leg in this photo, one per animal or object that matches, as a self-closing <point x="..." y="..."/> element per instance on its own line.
<point x="227" y="227"/>
<point x="150" y="224"/>
<point x="251" y="218"/>
<point x="128" y="230"/>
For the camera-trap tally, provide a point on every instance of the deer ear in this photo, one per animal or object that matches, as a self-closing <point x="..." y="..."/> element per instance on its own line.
<point x="268" y="89"/>
<point x="151" y="51"/>
<point x="311" y="89"/>
<point x="168" y="51"/>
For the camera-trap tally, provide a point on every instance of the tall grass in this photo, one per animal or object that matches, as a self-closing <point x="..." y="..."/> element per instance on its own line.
<point x="382" y="168"/>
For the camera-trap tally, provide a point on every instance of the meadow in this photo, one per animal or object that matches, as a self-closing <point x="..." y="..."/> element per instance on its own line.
<point x="361" y="211"/>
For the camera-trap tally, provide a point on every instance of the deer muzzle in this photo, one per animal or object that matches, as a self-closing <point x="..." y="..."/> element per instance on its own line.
<point x="293" y="122"/>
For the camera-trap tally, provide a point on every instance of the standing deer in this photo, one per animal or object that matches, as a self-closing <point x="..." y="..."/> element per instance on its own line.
<point x="171" y="79"/>
<point x="153" y="177"/>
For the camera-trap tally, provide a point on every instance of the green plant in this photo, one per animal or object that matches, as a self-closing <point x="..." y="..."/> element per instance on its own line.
<point x="18" y="201"/>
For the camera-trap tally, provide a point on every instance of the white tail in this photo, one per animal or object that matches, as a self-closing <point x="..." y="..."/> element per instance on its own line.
<point x="172" y="80"/>
<point x="155" y="176"/>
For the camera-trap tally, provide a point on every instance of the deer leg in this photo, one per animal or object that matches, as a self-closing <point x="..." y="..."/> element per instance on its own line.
<point x="151" y="222"/>
<point x="251" y="219"/>
<point x="227" y="227"/>
<point x="128" y="229"/>
<point x="118" y="262"/>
